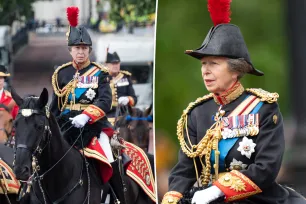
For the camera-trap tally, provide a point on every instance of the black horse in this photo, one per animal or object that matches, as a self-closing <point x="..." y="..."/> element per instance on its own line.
<point x="54" y="171"/>
<point x="63" y="175"/>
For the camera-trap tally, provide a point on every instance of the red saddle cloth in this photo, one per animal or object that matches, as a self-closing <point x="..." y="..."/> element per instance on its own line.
<point x="95" y="151"/>
<point x="139" y="169"/>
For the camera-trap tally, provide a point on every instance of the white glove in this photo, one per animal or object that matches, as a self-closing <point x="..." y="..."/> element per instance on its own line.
<point x="123" y="100"/>
<point x="80" y="120"/>
<point x="207" y="195"/>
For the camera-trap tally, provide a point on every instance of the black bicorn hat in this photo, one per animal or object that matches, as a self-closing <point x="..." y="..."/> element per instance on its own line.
<point x="223" y="39"/>
<point x="112" y="58"/>
<point x="76" y="35"/>
<point x="3" y="71"/>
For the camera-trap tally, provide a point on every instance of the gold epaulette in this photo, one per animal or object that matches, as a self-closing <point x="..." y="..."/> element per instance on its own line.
<point x="182" y="122"/>
<point x="264" y="95"/>
<point x="125" y="72"/>
<point x="102" y="67"/>
<point x="62" y="66"/>
<point x="54" y="78"/>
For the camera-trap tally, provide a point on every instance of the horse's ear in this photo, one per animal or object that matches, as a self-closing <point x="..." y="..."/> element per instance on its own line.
<point x="148" y="111"/>
<point x="43" y="98"/>
<point x="16" y="97"/>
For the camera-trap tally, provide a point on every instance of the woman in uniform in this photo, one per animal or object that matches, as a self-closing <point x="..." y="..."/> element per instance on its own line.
<point x="232" y="140"/>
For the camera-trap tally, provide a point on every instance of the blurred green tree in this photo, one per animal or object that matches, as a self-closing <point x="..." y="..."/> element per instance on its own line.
<point x="183" y="25"/>
<point x="131" y="10"/>
<point x="11" y="10"/>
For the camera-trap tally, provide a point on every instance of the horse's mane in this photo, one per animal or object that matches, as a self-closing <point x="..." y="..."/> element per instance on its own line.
<point x="4" y="107"/>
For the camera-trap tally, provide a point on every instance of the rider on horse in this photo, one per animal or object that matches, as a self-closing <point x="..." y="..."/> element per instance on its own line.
<point x="121" y="84"/>
<point x="232" y="139"/>
<point x="82" y="97"/>
<point x="5" y="96"/>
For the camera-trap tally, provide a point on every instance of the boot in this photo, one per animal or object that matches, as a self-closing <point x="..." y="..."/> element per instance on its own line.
<point x="117" y="183"/>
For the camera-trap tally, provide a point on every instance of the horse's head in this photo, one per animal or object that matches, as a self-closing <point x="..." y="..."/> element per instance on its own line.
<point x="32" y="131"/>
<point x="134" y="127"/>
<point x="6" y="123"/>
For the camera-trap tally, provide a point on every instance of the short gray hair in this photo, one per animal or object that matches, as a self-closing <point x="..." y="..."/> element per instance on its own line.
<point x="239" y="66"/>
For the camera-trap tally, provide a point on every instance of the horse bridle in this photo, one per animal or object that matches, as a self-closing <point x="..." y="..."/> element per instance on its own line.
<point x="47" y="132"/>
<point x="6" y="132"/>
<point x="38" y="150"/>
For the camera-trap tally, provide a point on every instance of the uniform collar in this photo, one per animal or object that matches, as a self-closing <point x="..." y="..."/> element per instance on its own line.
<point x="229" y="95"/>
<point x="81" y="66"/>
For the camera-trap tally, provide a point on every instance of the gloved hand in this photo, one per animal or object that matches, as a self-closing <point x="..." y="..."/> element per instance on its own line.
<point x="124" y="100"/>
<point x="80" y="120"/>
<point x="207" y="195"/>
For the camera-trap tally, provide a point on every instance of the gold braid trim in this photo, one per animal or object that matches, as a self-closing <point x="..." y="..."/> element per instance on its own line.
<point x="61" y="93"/>
<point x="125" y="72"/>
<point x="103" y="68"/>
<point x="171" y="197"/>
<point x="208" y="143"/>
<point x="264" y="95"/>
<point x="183" y="122"/>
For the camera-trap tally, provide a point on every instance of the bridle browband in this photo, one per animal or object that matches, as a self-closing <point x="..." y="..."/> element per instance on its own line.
<point x="47" y="131"/>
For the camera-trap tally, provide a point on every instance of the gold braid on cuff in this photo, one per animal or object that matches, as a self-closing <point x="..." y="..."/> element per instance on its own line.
<point x="171" y="197"/>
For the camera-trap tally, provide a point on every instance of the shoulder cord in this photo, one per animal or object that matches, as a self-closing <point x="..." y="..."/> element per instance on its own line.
<point x="208" y="143"/>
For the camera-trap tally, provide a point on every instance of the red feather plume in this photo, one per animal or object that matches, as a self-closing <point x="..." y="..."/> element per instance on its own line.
<point x="72" y="15"/>
<point x="220" y="11"/>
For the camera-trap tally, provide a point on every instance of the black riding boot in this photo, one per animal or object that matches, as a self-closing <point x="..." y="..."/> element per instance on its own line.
<point x="117" y="183"/>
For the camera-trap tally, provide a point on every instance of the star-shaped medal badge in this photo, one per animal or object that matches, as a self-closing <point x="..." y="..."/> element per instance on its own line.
<point x="246" y="147"/>
<point x="90" y="94"/>
<point x="237" y="165"/>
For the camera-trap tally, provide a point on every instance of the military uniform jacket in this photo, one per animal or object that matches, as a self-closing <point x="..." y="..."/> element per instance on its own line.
<point x="90" y="89"/>
<point x="121" y="85"/>
<point x="250" y="163"/>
